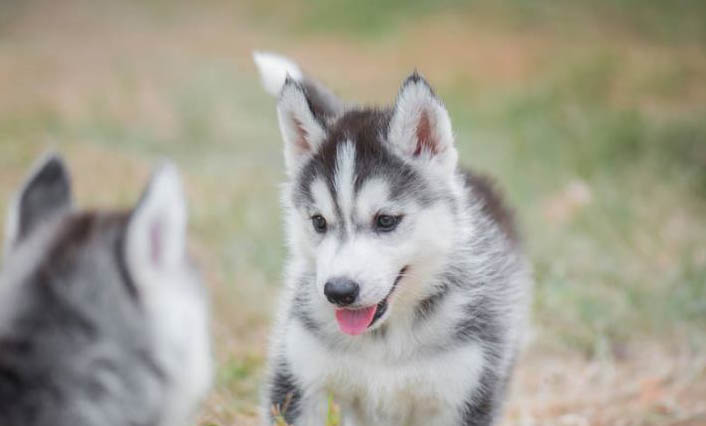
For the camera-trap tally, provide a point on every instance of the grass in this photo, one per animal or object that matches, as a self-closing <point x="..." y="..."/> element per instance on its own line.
<point x="591" y="116"/>
<point x="653" y="19"/>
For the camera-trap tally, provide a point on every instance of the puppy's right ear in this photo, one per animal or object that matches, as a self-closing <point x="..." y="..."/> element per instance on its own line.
<point x="420" y="128"/>
<point x="302" y="131"/>
<point x="46" y="194"/>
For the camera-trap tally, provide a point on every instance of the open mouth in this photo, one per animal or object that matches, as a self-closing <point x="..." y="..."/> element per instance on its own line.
<point x="356" y="321"/>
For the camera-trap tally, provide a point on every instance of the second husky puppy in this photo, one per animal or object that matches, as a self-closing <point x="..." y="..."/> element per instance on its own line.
<point x="103" y="320"/>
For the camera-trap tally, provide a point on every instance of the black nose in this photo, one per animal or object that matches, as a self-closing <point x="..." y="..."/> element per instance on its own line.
<point x="341" y="291"/>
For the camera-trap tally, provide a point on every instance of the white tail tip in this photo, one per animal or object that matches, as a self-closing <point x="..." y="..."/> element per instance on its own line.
<point x="274" y="69"/>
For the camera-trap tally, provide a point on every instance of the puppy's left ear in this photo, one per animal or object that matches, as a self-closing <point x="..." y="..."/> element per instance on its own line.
<point x="46" y="194"/>
<point x="155" y="238"/>
<point x="302" y="130"/>
<point x="420" y="128"/>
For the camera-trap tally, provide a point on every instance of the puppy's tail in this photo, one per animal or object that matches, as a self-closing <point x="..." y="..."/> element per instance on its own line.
<point x="274" y="70"/>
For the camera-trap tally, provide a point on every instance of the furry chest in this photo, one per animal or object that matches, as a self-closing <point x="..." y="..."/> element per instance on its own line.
<point x="375" y="390"/>
<point x="383" y="394"/>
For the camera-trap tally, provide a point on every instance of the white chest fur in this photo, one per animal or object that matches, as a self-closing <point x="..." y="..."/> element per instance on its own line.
<point x="373" y="389"/>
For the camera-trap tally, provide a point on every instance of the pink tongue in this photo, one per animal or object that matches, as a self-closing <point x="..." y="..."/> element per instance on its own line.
<point x="355" y="321"/>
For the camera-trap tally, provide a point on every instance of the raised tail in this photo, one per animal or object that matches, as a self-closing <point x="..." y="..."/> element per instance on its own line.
<point x="275" y="68"/>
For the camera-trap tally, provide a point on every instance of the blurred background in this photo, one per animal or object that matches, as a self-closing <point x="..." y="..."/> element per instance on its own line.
<point x="591" y="114"/>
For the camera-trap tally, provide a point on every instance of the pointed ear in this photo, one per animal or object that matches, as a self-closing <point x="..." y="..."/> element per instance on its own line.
<point x="420" y="127"/>
<point x="301" y="130"/>
<point x="155" y="238"/>
<point x="46" y="194"/>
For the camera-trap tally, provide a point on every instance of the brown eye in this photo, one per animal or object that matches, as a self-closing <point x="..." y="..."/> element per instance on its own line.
<point x="319" y="223"/>
<point x="386" y="223"/>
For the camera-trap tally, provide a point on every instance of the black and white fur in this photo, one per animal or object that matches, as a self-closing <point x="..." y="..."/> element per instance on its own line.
<point x="103" y="321"/>
<point x="452" y="273"/>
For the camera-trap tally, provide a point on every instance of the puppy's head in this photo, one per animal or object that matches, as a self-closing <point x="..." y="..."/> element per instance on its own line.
<point x="372" y="197"/>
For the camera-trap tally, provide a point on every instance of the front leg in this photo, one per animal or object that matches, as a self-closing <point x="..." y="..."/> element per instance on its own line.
<point x="284" y="396"/>
<point x="484" y="405"/>
<point x="287" y="400"/>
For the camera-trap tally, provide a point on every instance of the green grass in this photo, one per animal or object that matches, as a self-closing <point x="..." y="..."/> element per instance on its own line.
<point x="668" y="22"/>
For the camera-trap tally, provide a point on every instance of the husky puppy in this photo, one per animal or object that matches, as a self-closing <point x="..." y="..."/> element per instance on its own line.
<point x="103" y="320"/>
<point x="407" y="290"/>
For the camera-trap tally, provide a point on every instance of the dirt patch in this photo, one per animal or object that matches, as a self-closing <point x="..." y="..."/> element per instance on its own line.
<point x="651" y="384"/>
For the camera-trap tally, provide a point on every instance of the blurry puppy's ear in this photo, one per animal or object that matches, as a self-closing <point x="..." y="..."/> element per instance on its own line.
<point x="155" y="238"/>
<point x="45" y="194"/>
<point x="420" y="128"/>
